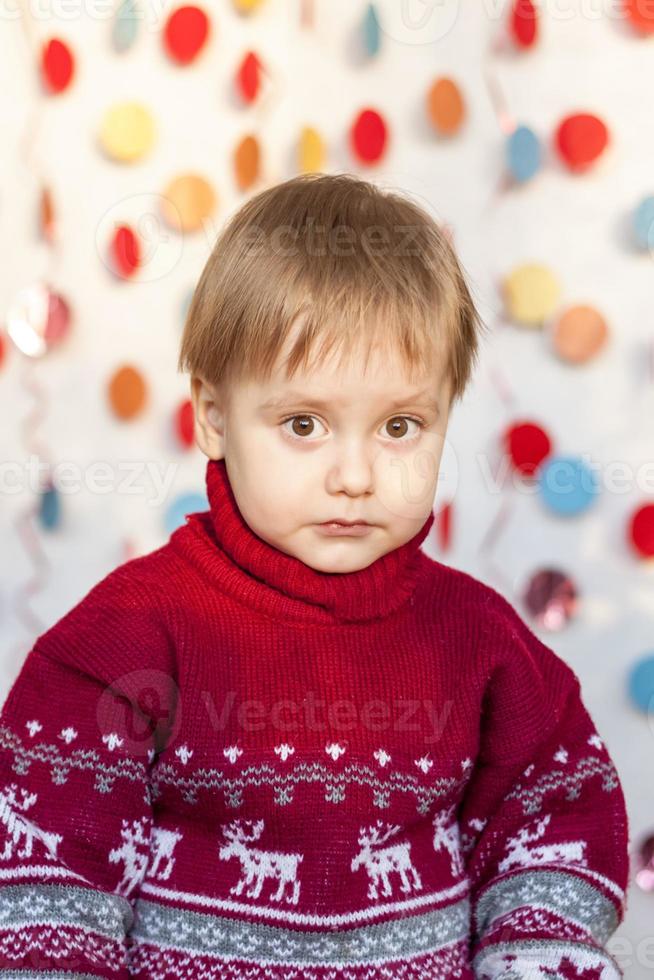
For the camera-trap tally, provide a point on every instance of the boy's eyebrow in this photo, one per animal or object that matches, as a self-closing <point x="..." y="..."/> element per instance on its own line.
<point x="425" y="397"/>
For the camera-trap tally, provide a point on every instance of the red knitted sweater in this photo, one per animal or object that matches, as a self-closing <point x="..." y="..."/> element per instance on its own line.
<point x="224" y="763"/>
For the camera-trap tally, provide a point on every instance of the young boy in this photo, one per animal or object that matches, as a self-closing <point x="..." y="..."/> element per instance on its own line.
<point x="280" y="747"/>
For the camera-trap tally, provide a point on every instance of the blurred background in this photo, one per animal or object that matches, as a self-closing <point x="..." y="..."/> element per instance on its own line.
<point x="130" y="132"/>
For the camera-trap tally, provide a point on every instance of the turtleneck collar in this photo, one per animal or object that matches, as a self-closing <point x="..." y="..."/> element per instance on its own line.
<point x="264" y="577"/>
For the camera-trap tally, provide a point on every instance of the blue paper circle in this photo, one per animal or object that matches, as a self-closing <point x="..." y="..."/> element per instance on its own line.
<point x="641" y="683"/>
<point x="643" y="222"/>
<point x="371" y="31"/>
<point x="567" y="485"/>
<point x="49" y="508"/>
<point x="523" y="153"/>
<point x="126" y="25"/>
<point x="186" y="503"/>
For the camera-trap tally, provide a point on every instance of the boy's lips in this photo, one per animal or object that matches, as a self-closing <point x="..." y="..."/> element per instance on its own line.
<point x="338" y="528"/>
<point x="337" y="520"/>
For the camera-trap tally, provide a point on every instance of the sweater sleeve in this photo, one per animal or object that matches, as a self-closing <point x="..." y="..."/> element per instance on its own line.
<point x="543" y="823"/>
<point x="79" y="730"/>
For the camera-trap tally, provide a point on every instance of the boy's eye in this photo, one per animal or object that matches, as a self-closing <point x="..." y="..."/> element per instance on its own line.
<point x="303" y="426"/>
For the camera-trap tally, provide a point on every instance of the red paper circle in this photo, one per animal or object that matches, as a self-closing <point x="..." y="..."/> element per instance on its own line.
<point x="527" y="445"/>
<point x="185" y="33"/>
<point x="641" y="15"/>
<point x="3" y="348"/>
<point x="248" y="78"/>
<point x="125" y="251"/>
<point x="524" y="23"/>
<point x="369" y="135"/>
<point x="185" y="424"/>
<point x="580" y="140"/>
<point x="58" y="321"/>
<point x="641" y="530"/>
<point x="57" y="65"/>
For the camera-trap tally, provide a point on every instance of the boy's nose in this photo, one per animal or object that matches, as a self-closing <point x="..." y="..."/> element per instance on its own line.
<point x="352" y="470"/>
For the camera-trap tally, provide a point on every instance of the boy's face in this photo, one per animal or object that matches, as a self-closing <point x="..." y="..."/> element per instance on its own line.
<point x="340" y="445"/>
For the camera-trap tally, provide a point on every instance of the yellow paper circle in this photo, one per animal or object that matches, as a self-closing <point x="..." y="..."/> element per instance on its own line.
<point x="311" y="151"/>
<point x="246" y="162"/>
<point x="247" y="6"/>
<point x="127" y="132"/>
<point x="531" y="294"/>
<point x="579" y="333"/>
<point x="187" y="201"/>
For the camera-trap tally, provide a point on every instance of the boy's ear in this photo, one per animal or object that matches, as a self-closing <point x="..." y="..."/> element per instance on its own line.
<point x="209" y="418"/>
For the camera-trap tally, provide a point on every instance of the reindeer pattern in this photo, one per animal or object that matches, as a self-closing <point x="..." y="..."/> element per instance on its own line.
<point x="380" y="862"/>
<point x="258" y="864"/>
<point x="134" y="852"/>
<point x="18" y="827"/>
<point x="521" y="852"/>
<point x="447" y="836"/>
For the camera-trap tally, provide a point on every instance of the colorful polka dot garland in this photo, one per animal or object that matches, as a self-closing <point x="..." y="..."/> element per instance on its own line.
<point x="578" y="334"/>
<point x="187" y="201"/>
<point x="187" y="503"/>
<point x="523" y="24"/>
<point x="641" y="531"/>
<point x="248" y="77"/>
<point x="38" y="319"/>
<point x="551" y="598"/>
<point x="567" y="485"/>
<point x="641" y="683"/>
<point x="185" y="33"/>
<point x="528" y="445"/>
<point x="57" y="66"/>
<point x="127" y="392"/>
<point x="531" y="293"/>
<point x="581" y="139"/>
<point x="125" y="252"/>
<point x="523" y="153"/>
<point x="446" y="106"/>
<point x="128" y="132"/>
<point x="369" y="136"/>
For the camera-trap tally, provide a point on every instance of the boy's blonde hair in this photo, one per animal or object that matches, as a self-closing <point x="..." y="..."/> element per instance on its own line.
<point x="363" y="265"/>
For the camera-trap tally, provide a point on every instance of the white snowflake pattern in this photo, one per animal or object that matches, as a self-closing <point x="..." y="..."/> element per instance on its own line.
<point x="232" y="752"/>
<point x="112" y="741"/>
<point x="335" y="750"/>
<point x="183" y="753"/>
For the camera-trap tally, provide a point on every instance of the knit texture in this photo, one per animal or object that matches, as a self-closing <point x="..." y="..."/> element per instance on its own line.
<point x="222" y="763"/>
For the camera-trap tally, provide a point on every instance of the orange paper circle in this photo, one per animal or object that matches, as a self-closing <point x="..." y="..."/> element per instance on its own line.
<point x="127" y="392"/>
<point x="246" y="162"/>
<point x="188" y="200"/>
<point x="579" y="333"/>
<point x="445" y="106"/>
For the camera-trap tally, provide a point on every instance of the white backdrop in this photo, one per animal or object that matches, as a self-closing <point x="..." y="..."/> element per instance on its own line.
<point x="587" y="60"/>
